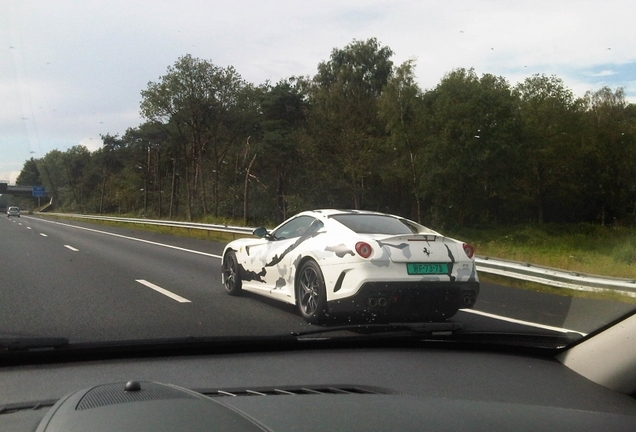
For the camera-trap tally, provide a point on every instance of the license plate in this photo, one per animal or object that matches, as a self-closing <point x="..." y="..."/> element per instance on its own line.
<point x="426" y="268"/>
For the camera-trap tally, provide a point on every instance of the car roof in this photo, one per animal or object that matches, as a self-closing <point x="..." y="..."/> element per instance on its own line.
<point x="331" y="212"/>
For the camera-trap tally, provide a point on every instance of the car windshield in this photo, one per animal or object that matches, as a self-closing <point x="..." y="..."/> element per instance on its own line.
<point x="200" y="169"/>
<point x="294" y="228"/>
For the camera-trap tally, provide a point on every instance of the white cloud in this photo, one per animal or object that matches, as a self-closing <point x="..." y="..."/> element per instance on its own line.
<point x="76" y="69"/>
<point x="603" y="73"/>
<point x="91" y="143"/>
<point x="9" y="176"/>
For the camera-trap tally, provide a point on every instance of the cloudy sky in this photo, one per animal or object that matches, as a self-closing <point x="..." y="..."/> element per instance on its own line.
<point x="72" y="70"/>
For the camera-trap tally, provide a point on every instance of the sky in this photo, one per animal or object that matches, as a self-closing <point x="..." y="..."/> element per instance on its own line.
<point x="71" y="71"/>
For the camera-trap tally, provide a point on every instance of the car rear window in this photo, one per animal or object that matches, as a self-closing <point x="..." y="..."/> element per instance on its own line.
<point x="374" y="224"/>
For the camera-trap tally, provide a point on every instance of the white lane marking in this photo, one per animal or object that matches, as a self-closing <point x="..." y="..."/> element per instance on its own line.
<point x="134" y="239"/>
<point x="528" y="323"/>
<point x="71" y="248"/>
<point x="169" y="294"/>
<point x="28" y="227"/>
<point x="43" y="235"/>
<point x="163" y="291"/>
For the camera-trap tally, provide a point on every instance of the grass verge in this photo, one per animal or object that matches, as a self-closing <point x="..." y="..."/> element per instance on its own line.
<point x="583" y="248"/>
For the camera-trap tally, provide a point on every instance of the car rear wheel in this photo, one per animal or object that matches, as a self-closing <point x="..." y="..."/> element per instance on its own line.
<point x="231" y="274"/>
<point x="311" y="295"/>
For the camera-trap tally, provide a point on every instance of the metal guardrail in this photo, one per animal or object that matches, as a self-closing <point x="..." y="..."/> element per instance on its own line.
<point x="556" y="277"/>
<point x="176" y="224"/>
<point x="512" y="269"/>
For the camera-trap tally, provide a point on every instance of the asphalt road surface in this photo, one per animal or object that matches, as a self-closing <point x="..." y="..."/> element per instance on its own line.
<point x="91" y="282"/>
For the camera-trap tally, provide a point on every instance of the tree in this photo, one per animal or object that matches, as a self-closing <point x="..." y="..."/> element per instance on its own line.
<point x="81" y="179"/>
<point x="610" y="145"/>
<point x="283" y="129"/>
<point x="30" y="174"/>
<point x="400" y="106"/>
<point x="470" y="125"/>
<point x="53" y="177"/>
<point x="106" y="160"/>
<point x="550" y="145"/>
<point x="197" y="102"/>
<point x="345" y="97"/>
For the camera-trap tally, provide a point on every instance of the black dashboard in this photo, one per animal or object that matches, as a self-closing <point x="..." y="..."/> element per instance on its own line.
<point x="432" y="387"/>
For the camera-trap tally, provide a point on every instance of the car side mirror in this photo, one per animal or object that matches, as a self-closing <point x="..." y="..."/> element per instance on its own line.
<point x="260" y="232"/>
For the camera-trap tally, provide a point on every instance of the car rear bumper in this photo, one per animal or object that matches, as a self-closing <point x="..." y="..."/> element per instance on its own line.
<point x="419" y="299"/>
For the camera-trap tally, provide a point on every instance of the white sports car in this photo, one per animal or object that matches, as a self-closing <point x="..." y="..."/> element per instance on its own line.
<point x="332" y="261"/>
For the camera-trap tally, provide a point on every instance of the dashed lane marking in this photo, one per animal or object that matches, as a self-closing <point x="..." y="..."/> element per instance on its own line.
<point x="134" y="239"/>
<point x="163" y="291"/>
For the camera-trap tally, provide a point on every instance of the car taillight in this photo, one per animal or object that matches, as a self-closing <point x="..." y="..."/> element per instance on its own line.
<point x="364" y="249"/>
<point x="469" y="250"/>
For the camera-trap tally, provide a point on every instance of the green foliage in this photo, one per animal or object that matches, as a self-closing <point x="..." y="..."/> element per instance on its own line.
<point x="403" y="150"/>
<point x="204" y="111"/>
<point x="550" y="143"/>
<point x="344" y="115"/>
<point x="30" y="174"/>
<point x="471" y="152"/>
<point x="472" y="127"/>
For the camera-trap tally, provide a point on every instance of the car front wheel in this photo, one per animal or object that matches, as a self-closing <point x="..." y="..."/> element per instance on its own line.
<point x="231" y="274"/>
<point x="311" y="295"/>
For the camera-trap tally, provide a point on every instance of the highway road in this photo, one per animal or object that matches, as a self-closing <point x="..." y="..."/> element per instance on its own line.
<point x="91" y="282"/>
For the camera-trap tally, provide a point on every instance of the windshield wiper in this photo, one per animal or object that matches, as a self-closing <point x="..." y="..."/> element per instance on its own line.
<point x="443" y="331"/>
<point x="31" y="343"/>
<point x="432" y="328"/>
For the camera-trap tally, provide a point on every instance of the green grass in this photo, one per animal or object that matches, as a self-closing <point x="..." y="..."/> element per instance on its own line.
<point x="584" y="248"/>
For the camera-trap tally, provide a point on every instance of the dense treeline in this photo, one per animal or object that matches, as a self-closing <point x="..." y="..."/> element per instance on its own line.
<point x="359" y="134"/>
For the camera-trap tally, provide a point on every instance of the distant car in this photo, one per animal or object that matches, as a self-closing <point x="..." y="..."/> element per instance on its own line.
<point x="13" y="211"/>
<point x="331" y="261"/>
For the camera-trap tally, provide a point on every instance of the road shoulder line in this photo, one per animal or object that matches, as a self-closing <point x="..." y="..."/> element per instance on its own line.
<point x="527" y="323"/>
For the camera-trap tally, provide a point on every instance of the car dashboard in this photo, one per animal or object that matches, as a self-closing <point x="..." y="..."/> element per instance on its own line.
<point x="414" y="387"/>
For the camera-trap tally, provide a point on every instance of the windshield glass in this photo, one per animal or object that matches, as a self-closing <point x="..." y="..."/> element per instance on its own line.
<point x="294" y="228"/>
<point x="143" y="142"/>
<point x="374" y="224"/>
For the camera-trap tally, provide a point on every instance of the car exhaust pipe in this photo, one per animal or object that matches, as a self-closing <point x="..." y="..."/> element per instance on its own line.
<point x="468" y="300"/>
<point x="374" y="302"/>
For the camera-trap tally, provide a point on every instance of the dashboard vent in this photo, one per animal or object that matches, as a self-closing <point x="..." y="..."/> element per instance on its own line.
<point x="290" y="391"/>
<point x="110" y="394"/>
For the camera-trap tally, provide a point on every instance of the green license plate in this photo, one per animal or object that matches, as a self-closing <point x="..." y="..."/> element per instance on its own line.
<point x="426" y="269"/>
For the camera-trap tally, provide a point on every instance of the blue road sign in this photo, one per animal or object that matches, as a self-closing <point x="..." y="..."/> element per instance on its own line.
<point x="38" y="191"/>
